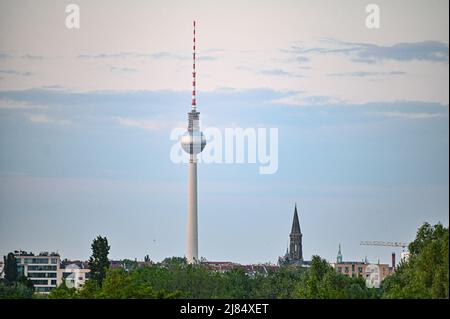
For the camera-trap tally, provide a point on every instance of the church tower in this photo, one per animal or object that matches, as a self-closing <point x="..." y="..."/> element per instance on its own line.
<point x="295" y="245"/>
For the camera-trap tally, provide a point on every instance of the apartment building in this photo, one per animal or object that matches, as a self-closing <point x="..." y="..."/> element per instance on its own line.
<point x="43" y="269"/>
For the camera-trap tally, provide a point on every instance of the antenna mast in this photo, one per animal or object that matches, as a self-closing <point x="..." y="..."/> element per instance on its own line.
<point x="193" y="71"/>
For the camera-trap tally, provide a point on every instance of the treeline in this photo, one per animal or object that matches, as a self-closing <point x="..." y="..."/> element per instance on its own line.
<point x="173" y="278"/>
<point x="424" y="275"/>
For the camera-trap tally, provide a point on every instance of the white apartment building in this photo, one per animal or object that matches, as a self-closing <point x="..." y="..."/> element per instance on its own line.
<point x="43" y="269"/>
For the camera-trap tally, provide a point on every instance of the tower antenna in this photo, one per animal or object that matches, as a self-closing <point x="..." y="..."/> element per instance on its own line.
<point x="193" y="69"/>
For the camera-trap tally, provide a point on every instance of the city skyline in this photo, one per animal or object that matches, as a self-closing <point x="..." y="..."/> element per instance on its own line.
<point x="86" y="115"/>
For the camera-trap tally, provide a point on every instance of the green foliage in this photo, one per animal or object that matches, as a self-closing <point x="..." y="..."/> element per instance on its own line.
<point x="129" y="264"/>
<point x="323" y="282"/>
<point x="10" y="268"/>
<point x="63" y="292"/>
<point x="98" y="262"/>
<point x="14" y="290"/>
<point x="174" y="261"/>
<point x="425" y="274"/>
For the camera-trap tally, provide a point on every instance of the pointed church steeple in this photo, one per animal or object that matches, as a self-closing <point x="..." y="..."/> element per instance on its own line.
<point x="339" y="255"/>
<point x="295" y="240"/>
<point x="295" y="223"/>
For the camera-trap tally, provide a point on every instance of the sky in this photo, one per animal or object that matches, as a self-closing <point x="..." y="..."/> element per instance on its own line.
<point x="86" y="115"/>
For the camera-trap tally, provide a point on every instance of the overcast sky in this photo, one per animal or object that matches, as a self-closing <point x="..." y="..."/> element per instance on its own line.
<point x="86" y="115"/>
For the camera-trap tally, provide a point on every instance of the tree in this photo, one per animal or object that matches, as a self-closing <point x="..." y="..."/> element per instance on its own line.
<point x="147" y="258"/>
<point x="15" y="290"/>
<point x="26" y="281"/>
<point x="128" y="264"/>
<point x="63" y="292"/>
<point x="426" y="273"/>
<point x="10" y="268"/>
<point x="323" y="282"/>
<point x="98" y="262"/>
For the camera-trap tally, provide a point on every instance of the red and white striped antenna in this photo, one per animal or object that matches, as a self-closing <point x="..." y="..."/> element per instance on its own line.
<point x="193" y="71"/>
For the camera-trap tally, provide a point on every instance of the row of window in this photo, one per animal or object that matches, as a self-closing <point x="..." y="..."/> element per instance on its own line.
<point x="43" y="282"/>
<point x="46" y="267"/>
<point x="347" y="269"/>
<point x="37" y="260"/>
<point x="42" y="274"/>
<point x="43" y="289"/>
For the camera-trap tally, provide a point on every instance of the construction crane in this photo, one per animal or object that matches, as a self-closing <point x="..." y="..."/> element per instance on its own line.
<point x="386" y="243"/>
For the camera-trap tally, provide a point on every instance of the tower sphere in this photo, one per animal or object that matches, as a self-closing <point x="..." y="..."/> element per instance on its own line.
<point x="193" y="142"/>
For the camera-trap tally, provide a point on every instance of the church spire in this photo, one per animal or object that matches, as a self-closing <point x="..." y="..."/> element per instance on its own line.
<point x="295" y="241"/>
<point x="295" y="222"/>
<point x="339" y="255"/>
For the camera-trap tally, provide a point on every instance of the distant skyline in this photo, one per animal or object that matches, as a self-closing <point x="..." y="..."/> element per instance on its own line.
<point x="85" y="119"/>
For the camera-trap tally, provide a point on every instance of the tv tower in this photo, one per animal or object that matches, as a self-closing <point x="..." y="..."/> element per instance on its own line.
<point x="193" y="142"/>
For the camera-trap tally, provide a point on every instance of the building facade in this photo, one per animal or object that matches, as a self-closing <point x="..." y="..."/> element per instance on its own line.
<point x="373" y="274"/>
<point x="74" y="275"/>
<point x="43" y="270"/>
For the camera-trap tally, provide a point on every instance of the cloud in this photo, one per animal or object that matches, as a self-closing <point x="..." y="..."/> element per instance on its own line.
<point x="433" y="51"/>
<point x="279" y="72"/>
<point x="300" y="98"/>
<point x="270" y="72"/>
<point x="365" y="74"/>
<point x="52" y="87"/>
<point x="6" y="103"/>
<point x="156" y="55"/>
<point x="120" y="69"/>
<point x="4" y="55"/>
<point x="32" y="57"/>
<point x="44" y="119"/>
<point x="408" y="115"/>
<point x="178" y="56"/>
<point x="110" y="55"/>
<point x="14" y="72"/>
<point x="148" y="125"/>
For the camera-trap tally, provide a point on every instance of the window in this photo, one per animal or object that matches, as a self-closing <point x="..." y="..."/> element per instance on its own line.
<point x="53" y="282"/>
<point x="54" y="260"/>
<point x="35" y="260"/>
<point x="42" y="274"/>
<point x="360" y="269"/>
<point x="346" y="270"/>
<point x="39" y="282"/>
<point x="34" y="268"/>
<point x="353" y="268"/>
<point x="42" y="289"/>
<point x="18" y="260"/>
<point x="40" y="260"/>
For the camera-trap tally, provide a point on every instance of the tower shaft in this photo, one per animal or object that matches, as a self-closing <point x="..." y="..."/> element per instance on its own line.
<point x="192" y="231"/>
